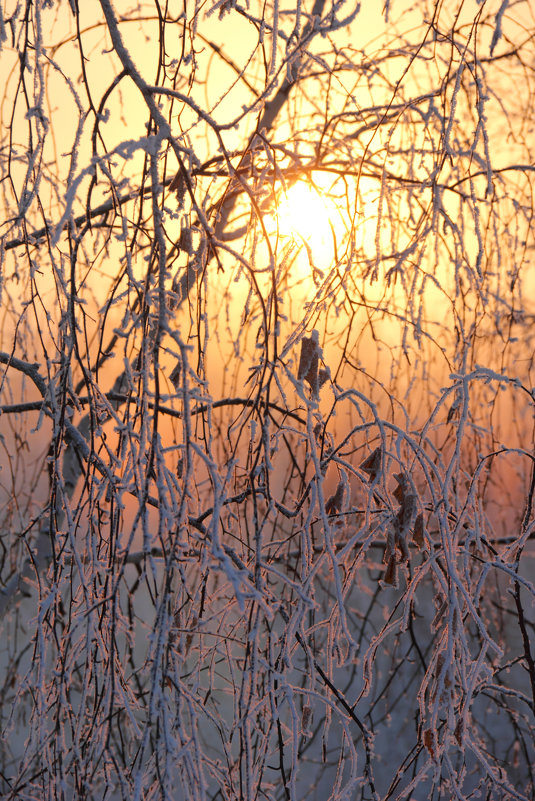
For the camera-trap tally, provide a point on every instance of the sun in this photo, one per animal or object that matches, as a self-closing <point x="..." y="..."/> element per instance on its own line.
<point x="308" y="220"/>
<point x="302" y="212"/>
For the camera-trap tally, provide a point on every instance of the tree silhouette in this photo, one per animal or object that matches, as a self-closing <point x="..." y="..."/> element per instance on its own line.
<point x="266" y="400"/>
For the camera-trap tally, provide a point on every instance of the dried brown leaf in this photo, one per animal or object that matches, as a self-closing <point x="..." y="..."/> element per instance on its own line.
<point x="419" y="531"/>
<point x="309" y="363"/>
<point x="403" y="488"/>
<point x="430" y="742"/>
<point x="186" y="241"/>
<point x="391" y="574"/>
<point x="459" y="731"/>
<point x="323" y="376"/>
<point x="179" y="186"/>
<point x="336" y="502"/>
<point x="438" y="616"/>
<point x="372" y="464"/>
<point x="174" y="376"/>
<point x="306" y="718"/>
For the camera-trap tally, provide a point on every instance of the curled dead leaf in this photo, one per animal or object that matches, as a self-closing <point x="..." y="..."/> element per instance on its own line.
<point x="186" y="241"/>
<point x="459" y="731"/>
<point x="335" y="503"/>
<point x="391" y="573"/>
<point x="178" y="186"/>
<point x="174" y="376"/>
<point x="372" y="465"/>
<point x="429" y="739"/>
<point x="309" y="363"/>
<point x="419" y="531"/>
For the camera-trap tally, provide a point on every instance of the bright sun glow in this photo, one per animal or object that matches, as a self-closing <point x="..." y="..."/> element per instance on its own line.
<point x="302" y="212"/>
<point x="310" y="219"/>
